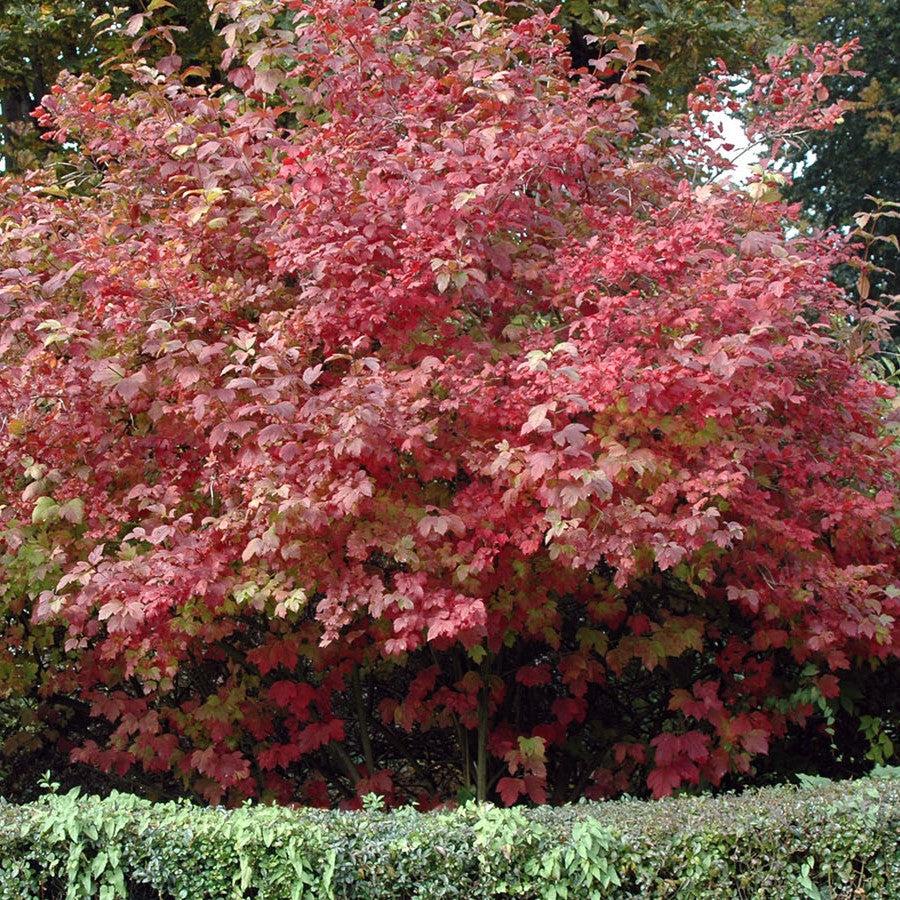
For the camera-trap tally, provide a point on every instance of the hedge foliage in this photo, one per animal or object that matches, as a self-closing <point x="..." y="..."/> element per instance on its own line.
<point x="829" y="840"/>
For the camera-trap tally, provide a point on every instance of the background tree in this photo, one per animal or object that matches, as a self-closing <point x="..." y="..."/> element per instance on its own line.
<point x="835" y="172"/>
<point x="683" y="38"/>
<point x="38" y="40"/>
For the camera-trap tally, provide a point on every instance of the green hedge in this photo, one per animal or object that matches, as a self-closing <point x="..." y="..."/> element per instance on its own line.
<point x="839" y="839"/>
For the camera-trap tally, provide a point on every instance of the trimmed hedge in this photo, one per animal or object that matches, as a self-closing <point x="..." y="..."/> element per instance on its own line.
<point x="837" y="839"/>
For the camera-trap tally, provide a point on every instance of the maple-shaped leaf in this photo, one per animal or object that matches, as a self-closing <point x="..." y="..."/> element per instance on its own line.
<point x="663" y="780"/>
<point x="536" y="788"/>
<point x="694" y="744"/>
<point x="510" y="789"/>
<point x="318" y="734"/>
<point x="755" y="740"/>
<point x="569" y="709"/>
<point x="273" y="654"/>
<point x="293" y="695"/>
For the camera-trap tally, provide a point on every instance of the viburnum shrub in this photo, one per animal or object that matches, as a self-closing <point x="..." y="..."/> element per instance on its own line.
<point x="397" y="418"/>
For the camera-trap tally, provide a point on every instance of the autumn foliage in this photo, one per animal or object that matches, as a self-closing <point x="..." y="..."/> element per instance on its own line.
<point x="402" y="419"/>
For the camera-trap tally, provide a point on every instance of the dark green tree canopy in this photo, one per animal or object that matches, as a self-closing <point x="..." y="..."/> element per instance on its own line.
<point x="838" y="169"/>
<point x="38" y="40"/>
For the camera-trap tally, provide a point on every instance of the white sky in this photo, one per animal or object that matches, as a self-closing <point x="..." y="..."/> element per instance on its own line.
<point x="733" y="133"/>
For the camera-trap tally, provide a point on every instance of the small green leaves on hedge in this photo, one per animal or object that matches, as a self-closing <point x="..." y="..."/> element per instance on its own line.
<point x="832" y="839"/>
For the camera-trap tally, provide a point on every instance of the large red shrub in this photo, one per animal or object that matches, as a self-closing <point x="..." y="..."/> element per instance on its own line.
<point x="400" y="419"/>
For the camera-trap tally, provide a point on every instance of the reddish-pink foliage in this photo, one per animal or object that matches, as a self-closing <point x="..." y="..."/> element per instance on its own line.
<point x="403" y="395"/>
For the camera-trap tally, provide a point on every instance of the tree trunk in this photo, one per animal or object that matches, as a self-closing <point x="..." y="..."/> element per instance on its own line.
<point x="481" y="774"/>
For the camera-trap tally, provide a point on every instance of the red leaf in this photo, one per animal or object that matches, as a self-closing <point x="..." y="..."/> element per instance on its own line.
<point x="663" y="780"/>
<point x="510" y="789"/>
<point x="532" y="676"/>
